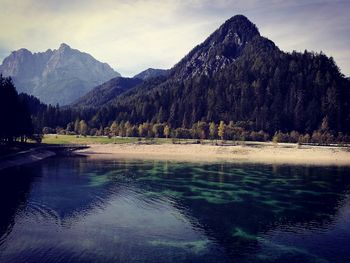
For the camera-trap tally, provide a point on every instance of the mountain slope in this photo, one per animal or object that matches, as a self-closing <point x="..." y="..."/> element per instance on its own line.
<point x="151" y="73"/>
<point x="220" y="49"/>
<point x="55" y="76"/>
<point x="237" y="75"/>
<point x="106" y="92"/>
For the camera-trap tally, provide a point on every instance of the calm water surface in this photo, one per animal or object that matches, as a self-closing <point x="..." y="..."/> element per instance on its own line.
<point x="78" y="210"/>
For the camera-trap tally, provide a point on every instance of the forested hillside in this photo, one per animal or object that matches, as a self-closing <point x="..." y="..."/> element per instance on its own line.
<point x="263" y="87"/>
<point x="106" y="92"/>
<point x="236" y="77"/>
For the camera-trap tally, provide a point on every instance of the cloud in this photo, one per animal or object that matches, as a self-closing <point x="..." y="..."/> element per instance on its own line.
<point x="134" y="35"/>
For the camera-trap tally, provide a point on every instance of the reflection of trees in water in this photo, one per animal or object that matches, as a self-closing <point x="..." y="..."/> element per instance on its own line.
<point x="307" y="197"/>
<point x="234" y="204"/>
<point x="14" y="189"/>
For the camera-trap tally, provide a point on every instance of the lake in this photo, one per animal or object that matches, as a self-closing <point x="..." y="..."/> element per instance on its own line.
<point x="74" y="209"/>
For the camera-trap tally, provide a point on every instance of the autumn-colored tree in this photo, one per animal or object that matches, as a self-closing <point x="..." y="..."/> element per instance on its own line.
<point x="114" y="128"/>
<point x="203" y="130"/>
<point x="76" y="126"/>
<point x="158" y="130"/>
<point x="212" y="131"/>
<point x="83" y="128"/>
<point x="221" y="130"/>
<point x="166" y="131"/>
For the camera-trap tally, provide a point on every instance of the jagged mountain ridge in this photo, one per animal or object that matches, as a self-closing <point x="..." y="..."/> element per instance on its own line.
<point x="56" y="76"/>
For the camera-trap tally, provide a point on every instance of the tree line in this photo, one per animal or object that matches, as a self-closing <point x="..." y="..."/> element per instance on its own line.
<point x="201" y="131"/>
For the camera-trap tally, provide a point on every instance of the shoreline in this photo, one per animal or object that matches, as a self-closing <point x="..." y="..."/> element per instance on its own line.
<point x="263" y="153"/>
<point x="25" y="157"/>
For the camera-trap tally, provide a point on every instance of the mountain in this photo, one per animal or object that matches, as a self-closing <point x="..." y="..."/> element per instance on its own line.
<point x="151" y="73"/>
<point x="218" y="51"/>
<point x="237" y="75"/>
<point x="56" y="76"/>
<point x="106" y="92"/>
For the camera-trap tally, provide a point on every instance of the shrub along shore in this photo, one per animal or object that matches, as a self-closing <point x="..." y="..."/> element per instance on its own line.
<point x="202" y="131"/>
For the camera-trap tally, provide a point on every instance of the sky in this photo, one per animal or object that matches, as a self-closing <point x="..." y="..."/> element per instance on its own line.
<point x="135" y="35"/>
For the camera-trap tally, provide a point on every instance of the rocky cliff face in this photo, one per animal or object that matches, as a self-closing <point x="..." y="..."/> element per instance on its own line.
<point x="218" y="51"/>
<point x="56" y="76"/>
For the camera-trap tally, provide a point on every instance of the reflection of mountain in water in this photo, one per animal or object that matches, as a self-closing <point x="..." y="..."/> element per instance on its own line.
<point x="14" y="189"/>
<point x="63" y="188"/>
<point x="72" y="187"/>
<point x="234" y="205"/>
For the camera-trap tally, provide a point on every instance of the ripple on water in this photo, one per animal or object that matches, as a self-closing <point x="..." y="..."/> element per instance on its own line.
<point x="121" y="211"/>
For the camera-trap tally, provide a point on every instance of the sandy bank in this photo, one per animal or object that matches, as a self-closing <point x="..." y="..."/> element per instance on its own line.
<point x="25" y="157"/>
<point x="253" y="153"/>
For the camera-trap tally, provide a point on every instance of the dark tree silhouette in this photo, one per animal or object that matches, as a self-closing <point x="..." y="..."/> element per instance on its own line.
<point x="15" y="119"/>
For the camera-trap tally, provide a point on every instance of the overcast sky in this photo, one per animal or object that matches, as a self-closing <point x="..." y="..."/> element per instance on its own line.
<point x="134" y="35"/>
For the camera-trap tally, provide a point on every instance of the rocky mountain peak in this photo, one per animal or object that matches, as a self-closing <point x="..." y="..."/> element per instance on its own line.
<point x="240" y="24"/>
<point x="64" y="49"/>
<point x="220" y="49"/>
<point x="22" y="51"/>
<point x="56" y="76"/>
<point x="64" y="46"/>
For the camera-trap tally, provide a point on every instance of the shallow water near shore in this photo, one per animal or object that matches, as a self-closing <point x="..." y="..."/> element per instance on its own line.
<point x="81" y="210"/>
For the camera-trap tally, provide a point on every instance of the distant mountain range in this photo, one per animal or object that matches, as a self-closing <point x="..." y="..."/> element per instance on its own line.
<point x="56" y="76"/>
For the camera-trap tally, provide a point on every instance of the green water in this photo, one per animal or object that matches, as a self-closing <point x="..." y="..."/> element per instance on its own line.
<point x="78" y="210"/>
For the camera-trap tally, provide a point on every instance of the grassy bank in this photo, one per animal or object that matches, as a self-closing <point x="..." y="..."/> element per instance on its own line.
<point x="73" y="139"/>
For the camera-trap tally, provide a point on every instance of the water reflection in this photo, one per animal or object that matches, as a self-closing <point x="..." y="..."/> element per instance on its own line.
<point x="75" y="209"/>
<point x="14" y="189"/>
